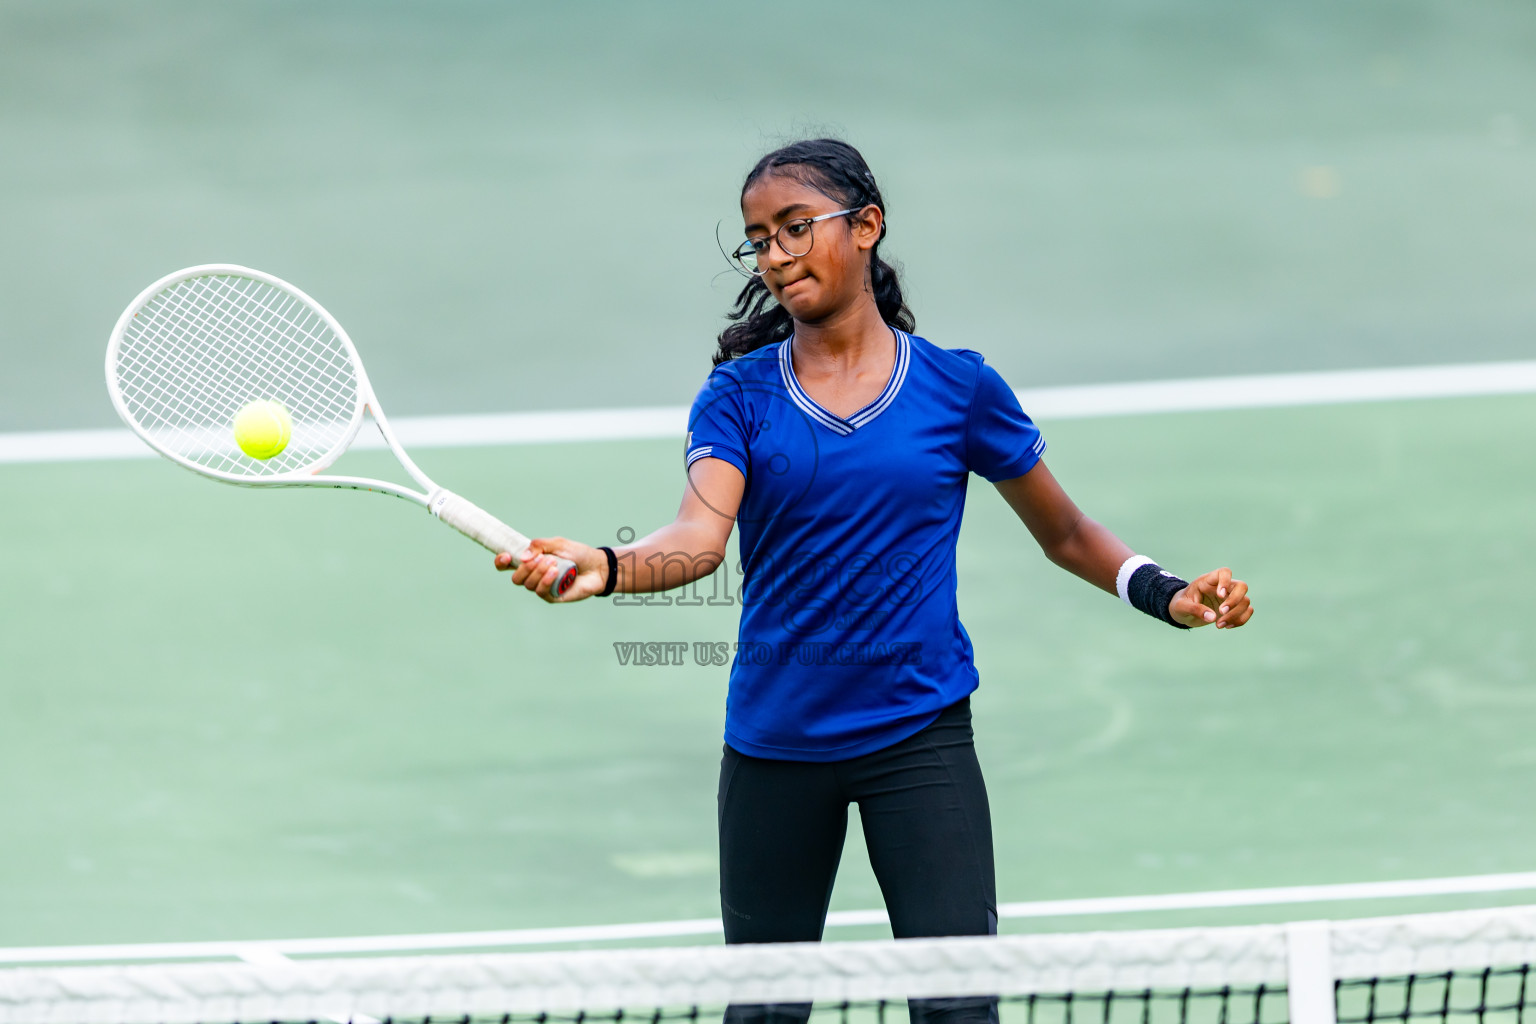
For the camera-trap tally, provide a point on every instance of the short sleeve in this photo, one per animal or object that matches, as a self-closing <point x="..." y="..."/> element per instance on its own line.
<point x="717" y="423"/>
<point x="1001" y="442"/>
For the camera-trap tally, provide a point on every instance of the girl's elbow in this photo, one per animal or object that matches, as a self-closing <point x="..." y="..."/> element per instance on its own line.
<point x="1066" y="552"/>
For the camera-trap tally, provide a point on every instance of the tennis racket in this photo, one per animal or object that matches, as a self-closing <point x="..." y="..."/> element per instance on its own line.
<point x="199" y="345"/>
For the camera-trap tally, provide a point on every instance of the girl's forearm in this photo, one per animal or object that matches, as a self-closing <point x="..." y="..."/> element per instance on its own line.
<point x="671" y="557"/>
<point x="1091" y="552"/>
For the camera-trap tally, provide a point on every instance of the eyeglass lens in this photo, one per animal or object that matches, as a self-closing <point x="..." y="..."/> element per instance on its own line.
<point x="794" y="237"/>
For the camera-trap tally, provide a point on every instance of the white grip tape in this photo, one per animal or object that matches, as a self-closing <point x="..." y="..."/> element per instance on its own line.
<point x="477" y="524"/>
<point x="491" y="533"/>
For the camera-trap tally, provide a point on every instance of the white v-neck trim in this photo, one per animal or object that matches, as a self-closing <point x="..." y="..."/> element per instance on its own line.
<point x="864" y="416"/>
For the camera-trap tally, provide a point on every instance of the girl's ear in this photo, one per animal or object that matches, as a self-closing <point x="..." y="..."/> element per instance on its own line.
<point x="866" y="226"/>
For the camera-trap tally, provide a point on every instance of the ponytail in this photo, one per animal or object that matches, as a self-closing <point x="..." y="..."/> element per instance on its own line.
<point x="838" y="171"/>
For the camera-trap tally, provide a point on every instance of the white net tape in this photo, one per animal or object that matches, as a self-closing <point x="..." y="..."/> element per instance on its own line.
<point x="197" y="352"/>
<point x="595" y="981"/>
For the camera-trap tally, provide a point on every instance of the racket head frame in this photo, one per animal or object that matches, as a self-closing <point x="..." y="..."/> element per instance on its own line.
<point x="312" y="474"/>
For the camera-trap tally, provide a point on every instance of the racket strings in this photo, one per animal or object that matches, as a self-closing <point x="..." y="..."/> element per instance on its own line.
<point x="264" y="359"/>
<point x="195" y="426"/>
<point x="178" y="317"/>
<point x="196" y="353"/>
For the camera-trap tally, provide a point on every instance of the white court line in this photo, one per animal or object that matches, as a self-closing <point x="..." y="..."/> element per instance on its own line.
<point x="1076" y="402"/>
<point x="274" y="950"/>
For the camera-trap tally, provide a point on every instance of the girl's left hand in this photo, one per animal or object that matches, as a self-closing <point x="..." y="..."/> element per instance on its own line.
<point x="1213" y="598"/>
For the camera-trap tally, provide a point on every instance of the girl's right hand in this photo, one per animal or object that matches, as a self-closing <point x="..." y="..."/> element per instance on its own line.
<point x="537" y="569"/>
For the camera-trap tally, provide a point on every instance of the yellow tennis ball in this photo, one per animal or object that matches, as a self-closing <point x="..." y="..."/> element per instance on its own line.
<point x="263" y="428"/>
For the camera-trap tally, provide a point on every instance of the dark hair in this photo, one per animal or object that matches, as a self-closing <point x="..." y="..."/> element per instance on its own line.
<point x="837" y="171"/>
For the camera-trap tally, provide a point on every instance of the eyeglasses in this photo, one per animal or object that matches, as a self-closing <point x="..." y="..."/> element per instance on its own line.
<point x="795" y="237"/>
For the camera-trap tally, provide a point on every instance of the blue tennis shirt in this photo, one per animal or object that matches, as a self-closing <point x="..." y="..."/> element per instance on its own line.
<point x="850" y="636"/>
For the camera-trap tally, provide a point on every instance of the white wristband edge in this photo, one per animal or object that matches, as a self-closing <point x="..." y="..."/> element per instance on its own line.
<point x="1127" y="569"/>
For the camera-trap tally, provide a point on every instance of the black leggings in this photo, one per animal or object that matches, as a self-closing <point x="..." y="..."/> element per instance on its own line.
<point x="924" y="809"/>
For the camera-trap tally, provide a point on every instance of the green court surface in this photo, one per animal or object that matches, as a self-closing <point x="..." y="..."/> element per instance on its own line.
<point x="237" y="714"/>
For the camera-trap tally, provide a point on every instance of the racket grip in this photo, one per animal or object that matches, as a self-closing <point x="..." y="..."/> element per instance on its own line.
<point x="491" y="533"/>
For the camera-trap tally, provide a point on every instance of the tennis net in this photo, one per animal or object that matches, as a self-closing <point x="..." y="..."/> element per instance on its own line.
<point x="1444" y="967"/>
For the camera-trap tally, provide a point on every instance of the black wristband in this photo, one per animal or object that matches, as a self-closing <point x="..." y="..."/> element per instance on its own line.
<point x="1150" y="588"/>
<point x="613" y="572"/>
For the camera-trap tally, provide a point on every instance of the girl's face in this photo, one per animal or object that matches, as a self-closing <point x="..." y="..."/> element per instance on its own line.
<point x="829" y="278"/>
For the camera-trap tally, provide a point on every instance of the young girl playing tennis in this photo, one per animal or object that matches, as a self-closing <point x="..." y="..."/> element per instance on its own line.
<point x="840" y="444"/>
